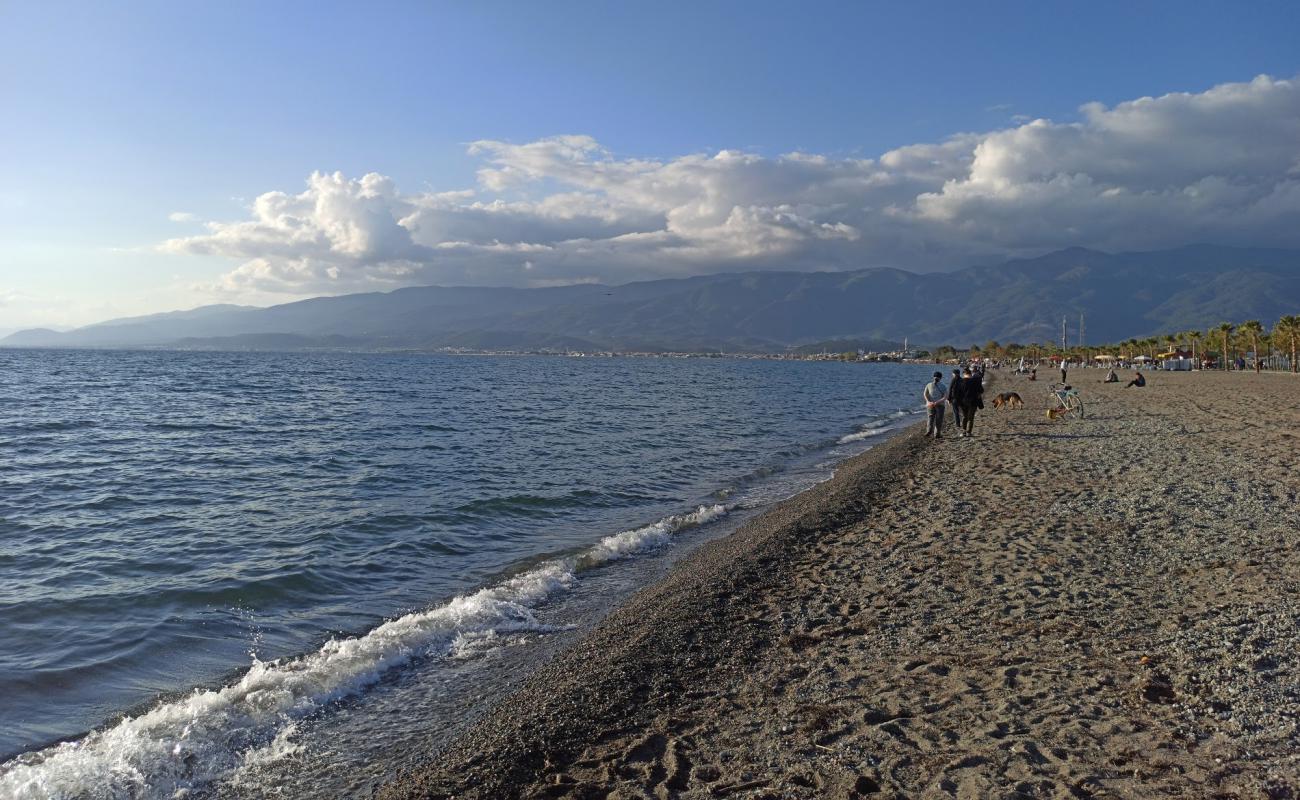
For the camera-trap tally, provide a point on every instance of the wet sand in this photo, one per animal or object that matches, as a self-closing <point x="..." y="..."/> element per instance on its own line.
<point x="1098" y="608"/>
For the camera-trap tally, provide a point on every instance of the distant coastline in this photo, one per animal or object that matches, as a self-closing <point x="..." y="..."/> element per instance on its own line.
<point x="1025" y="301"/>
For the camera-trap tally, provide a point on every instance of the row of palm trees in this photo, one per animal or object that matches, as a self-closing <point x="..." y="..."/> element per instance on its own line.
<point x="1226" y="338"/>
<point x="1225" y="341"/>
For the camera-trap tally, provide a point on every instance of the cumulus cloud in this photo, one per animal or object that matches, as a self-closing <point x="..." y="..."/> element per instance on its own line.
<point x="1221" y="165"/>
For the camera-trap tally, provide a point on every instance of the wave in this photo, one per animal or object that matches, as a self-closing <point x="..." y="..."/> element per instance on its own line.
<point x="186" y="744"/>
<point x="880" y="425"/>
<point x="535" y="505"/>
<point x="622" y="545"/>
<point x="194" y="426"/>
<point x="877" y="426"/>
<point x="863" y="434"/>
<point x="49" y="425"/>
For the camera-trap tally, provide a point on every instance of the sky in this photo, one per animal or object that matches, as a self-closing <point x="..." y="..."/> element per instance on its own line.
<point x="161" y="156"/>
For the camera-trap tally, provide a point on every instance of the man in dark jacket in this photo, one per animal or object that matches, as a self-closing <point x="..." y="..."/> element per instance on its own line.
<point x="971" y="399"/>
<point x="954" y="392"/>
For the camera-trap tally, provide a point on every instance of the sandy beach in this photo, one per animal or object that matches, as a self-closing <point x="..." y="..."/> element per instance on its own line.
<point x="1099" y="608"/>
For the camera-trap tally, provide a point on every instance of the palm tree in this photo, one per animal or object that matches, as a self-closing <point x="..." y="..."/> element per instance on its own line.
<point x="1171" y="339"/>
<point x="1195" y="336"/>
<point x="1224" y="330"/>
<point x="1252" y="330"/>
<point x="1287" y="330"/>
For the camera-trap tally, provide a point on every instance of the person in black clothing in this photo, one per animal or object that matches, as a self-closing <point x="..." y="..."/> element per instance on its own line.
<point x="1138" y="380"/>
<point x="954" y="391"/>
<point x="970" y="399"/>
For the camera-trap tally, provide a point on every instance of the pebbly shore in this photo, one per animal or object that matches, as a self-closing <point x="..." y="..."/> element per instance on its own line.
<point x="1106" y="607"/>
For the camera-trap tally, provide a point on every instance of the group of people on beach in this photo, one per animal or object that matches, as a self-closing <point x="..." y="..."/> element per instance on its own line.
<point x="965" y="393"/>
<point x="1138" y="378"/>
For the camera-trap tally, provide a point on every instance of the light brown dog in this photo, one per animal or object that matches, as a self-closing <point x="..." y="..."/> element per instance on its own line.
<point x="1053" y="413"/>
<point x="1008" y="399"/>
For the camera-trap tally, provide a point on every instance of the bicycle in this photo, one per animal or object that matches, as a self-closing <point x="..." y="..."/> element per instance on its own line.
<point x="1067" y="399"/>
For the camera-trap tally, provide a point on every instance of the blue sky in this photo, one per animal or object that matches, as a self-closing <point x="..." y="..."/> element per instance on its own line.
<point x="119" y="115"/>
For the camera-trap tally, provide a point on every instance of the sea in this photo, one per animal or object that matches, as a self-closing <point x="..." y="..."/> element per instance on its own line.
<point x="296" y="574"/>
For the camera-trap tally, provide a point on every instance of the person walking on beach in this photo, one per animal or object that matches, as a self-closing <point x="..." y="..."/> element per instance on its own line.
<point x="935" y="395"/>
<point x="1062" y="372"/>
<point x="972" y="399"/>
<point x="954" y="391"/>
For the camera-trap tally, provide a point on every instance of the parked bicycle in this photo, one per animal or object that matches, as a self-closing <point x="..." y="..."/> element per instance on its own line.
<point x="1067" y="400"/>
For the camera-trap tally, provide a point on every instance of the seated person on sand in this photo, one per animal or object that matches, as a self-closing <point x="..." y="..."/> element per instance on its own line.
<point x="1138" y="380"/>
<point x="1111" y="377"/>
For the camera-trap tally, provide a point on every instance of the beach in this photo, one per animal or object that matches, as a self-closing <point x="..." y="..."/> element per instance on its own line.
<point x="1104" y="607"/>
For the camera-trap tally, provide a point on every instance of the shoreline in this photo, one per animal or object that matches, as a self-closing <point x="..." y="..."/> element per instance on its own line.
<point x="1018" y="627"/>
<point x="650" y="635"/>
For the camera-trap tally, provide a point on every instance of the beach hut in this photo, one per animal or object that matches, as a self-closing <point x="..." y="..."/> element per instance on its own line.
<point x="1176" y="360"/>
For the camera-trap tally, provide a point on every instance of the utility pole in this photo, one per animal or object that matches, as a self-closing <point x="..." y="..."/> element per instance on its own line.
<point x="1081" y="329"/>
<point x="1064" y="338"/>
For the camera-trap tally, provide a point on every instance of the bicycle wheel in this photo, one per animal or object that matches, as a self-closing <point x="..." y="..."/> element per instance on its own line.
<point x="1075" y="406"/>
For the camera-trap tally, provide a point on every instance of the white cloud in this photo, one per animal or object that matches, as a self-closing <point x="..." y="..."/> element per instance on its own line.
<point x="1222" y="165"/>
<point x="183" y="216"/>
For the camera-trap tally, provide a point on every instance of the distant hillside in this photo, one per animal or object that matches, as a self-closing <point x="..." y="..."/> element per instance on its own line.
<point x="1122" y="295"/>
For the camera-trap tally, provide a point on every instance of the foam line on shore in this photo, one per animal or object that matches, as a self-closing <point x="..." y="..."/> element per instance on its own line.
<point x="877" y="427"/>
<point x="188" y="743"/>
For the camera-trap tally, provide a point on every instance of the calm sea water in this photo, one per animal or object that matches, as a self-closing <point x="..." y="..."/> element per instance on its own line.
<point x="216" y="564"/>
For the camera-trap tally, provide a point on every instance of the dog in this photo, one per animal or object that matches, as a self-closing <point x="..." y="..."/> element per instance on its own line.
<point x="1053" y="413"/>
<point x="1008" y="399"/>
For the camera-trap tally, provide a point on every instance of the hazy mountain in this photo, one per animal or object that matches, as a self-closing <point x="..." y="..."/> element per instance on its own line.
<point x="1122" y="295"/>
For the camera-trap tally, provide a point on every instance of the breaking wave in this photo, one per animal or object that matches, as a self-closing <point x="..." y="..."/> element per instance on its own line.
<point x="185" y="744"/>
<point x="876" y="427"/>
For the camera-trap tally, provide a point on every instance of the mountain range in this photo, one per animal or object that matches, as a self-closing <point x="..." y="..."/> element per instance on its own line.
<point x="1024" y="300"/>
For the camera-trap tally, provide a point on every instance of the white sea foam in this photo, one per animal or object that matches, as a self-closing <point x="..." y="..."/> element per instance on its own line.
<point x="863" y="434"/>
<point x="627" y="543"/>
<point x="874" y="428"/>
<point x="209" y="734"/>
